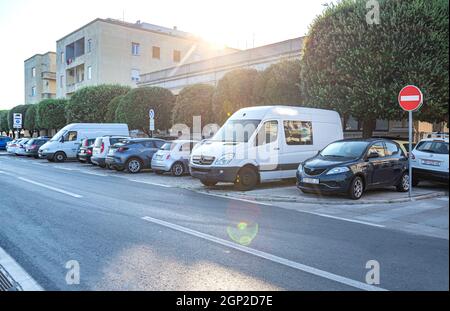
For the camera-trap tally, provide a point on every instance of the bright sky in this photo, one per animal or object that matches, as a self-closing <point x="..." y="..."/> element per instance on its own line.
<point x="28" y="27"/>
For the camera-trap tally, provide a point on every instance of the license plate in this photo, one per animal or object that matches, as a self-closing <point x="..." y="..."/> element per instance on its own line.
<point x="311" y="181"/>
<point x="431" y="162"/>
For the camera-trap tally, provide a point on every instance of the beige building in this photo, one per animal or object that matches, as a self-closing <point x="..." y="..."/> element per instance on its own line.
<point x="210" y="71"/>
<point x="112" y="51"/>
<point x="40" y="77"/>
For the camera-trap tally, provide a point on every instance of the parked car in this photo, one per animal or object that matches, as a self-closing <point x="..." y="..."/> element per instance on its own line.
<point x="10" y="146"/>
<point x="101" y="148"/>
<point x="429" y="160"/>
<point x="85" y="152"/>
<point x="260" y="144"/>
<point x="33" y="145"/>
<point x="65" y="144"/>
<point x="353" y="166"/>
<point x="173" y="157"/>
<point x="402" y="141"/>
<point x="20" y="147"/>
<point x="133" y="155"/>
<point x="3" y="141"/>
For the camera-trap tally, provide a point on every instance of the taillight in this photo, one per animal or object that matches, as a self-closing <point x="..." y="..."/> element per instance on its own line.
<point x="102" y="148"/>
<point x="89" y="151"/>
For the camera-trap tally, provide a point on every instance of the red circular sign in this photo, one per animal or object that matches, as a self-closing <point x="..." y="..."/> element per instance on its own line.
<point x="410" y="98"/>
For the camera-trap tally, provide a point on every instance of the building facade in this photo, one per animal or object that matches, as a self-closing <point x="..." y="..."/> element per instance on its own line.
<point x="40" y="77"/>
<point x="210" y="71"/>
<point x="112" y="51"/>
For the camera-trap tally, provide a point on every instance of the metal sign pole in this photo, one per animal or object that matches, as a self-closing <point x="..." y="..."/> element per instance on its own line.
<point x="410" y="152"/>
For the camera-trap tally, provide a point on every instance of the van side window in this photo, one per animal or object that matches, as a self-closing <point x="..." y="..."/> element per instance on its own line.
<point x="298" y="133"/>
<point x="268" y="133"/>
<point x="70" y="136"/>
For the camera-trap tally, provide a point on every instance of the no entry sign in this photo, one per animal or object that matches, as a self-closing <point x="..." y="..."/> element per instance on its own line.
<point x="410" y="98"/>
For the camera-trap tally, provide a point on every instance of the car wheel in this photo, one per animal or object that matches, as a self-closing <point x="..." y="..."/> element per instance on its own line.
<point x="247" y="179"/>
<point x="59" y="157"/>
<point x="119" y="169"/>
<point x="403" y="185"/>
<point x="208" y="183"/>
<point x="356" y="188"/>
<point x="178" y="169"/>
<point x="134" y="165"/>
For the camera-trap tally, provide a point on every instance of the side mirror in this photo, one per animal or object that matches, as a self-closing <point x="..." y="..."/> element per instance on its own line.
<point x="373" y="155"/>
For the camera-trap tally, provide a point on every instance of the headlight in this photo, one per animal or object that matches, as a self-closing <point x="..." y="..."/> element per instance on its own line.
<point x="338" y="170"/>
<point x="300" y="168"/>
<point x="225" y="159"/>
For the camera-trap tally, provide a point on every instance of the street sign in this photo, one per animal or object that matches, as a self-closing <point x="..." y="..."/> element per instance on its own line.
<point x="151" y="114"/>
<point x="410" y="98"/>
<point x="17" y="118"/>
<point x="152" y="124"/>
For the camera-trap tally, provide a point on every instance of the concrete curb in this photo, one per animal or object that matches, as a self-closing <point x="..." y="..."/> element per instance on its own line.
<point x="320" y="201"/>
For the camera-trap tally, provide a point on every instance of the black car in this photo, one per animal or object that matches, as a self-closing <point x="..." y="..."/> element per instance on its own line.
<point x="85" y="152"/>
<point x="33" y="145"/>
<point x="133" y="155"/>
<point x="353" y="166"/>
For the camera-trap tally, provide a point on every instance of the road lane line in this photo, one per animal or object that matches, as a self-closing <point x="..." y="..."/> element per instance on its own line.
<point x="270" y="257"/>
<point x="150" y="183"/>
<point x="234" y="198"/>
<point x="94" y="173"/>
<point x="347" y="219"/>
<point x="6" y="173"/>
<point x="51" y="188"/>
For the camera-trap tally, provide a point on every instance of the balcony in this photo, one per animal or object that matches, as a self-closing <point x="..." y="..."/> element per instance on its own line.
<point x="47" y="75"/>
<point x="74" y="51"/>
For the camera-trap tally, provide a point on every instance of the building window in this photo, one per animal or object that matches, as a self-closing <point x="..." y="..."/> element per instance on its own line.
<point x="62" y="57"/>
<point x="176" y="56"/>
<point x="33" y="91"/>
<point x="298" y="133"/>
<point x="89" y="45"/>
<point x="89" y="73"/>
<point x="135" y="48"/>
<point x="135" y="75"/>
<point x="33" y="72"/>
<point x="156" y="52"/>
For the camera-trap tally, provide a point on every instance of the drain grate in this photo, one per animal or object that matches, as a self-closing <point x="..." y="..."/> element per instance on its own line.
<point x="7" y="283"/>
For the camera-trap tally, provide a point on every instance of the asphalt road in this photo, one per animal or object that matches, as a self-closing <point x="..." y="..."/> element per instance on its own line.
<point x="127" y="235"/>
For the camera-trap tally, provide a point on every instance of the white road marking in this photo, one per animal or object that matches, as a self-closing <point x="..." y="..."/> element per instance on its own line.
<point x="6" y="173"/>
<point x="267" y="256"/>
<point x="150" y="183"/>
<point x="65" y="168"/>
<point x="51" y="188"/>
<point x="346" y="219"/>
<point x="234" y="198"/>
<point x="18" y="273"/>
<point x="442" y="199"/>
<point x="94" y="173"/>
<point x="410" y="98"/>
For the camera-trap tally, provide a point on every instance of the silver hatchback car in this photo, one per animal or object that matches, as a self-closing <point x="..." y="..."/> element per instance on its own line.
<point x="173" y="157"/>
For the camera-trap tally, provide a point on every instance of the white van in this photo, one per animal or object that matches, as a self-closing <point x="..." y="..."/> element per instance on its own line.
<point x="264" y="143"/>
<point x="64" y="145"/>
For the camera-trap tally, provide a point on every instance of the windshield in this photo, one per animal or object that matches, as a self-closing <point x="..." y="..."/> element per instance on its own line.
<point x="168" y="146"/>
<point x="345" y="149"/>
<point x="58" y="135"/>
<point x="236" y="131"/>
<point x="438" y="147"/>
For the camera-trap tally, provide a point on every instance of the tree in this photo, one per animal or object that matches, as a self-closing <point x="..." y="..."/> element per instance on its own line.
<point x="138" y="102"/>
<point x="112" y="108"/>
<point x="4" y="126"/>
<point x="234" y="91"/>
<point x="18" y="109"/>
<point x="358" y="68"/>
<point x="29" y="122"/>
<point x="120" y="115"/>
<point x="280" y="84"/>
<point x="50" y="114"/>
<point x="194" y="100"/>
<point x="90" y="104"/>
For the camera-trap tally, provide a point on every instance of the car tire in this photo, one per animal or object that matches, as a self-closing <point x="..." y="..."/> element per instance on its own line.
<point x="306" y="191"/>
<point x="246" y="179"/>
<point x="403" y="184"/>
<point x="356" y="188"/>
<point x="59" y="157"/>
<point x="208" y="183"/>
<point x="134" y="165"/>
<point x="177" y="169"/>
<point x="119" y="169"/>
